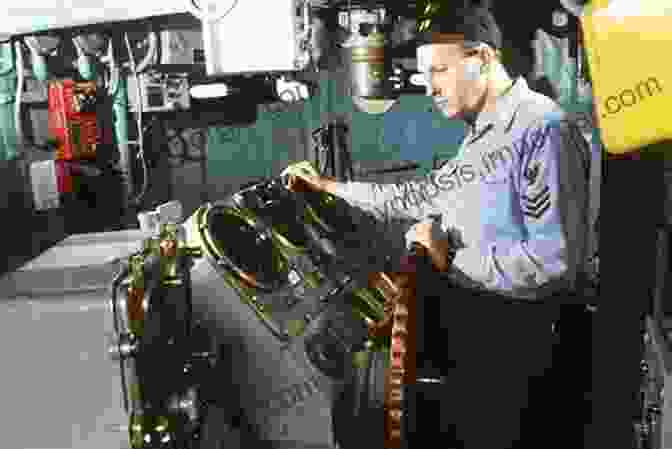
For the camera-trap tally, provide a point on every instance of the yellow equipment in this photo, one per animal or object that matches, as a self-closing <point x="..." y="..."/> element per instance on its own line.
<point x="626" y="42"/>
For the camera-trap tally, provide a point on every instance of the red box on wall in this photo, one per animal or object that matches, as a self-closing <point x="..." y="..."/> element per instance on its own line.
<point x="64" y="178"/>
<point x="73" y="126"/>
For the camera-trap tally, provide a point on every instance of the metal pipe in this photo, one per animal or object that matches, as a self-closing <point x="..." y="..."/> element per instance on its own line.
<point x="7" y="97"/>
<point x="84" y="64"/>
<point x="18" y="123"/>
<point x="140" y="139"/>
<point x="118" y="91"/>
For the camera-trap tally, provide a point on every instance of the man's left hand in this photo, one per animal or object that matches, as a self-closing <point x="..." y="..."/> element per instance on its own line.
<point x="429" y="235"/>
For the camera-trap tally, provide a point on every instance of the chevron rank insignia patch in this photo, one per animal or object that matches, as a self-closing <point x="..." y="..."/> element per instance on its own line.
<point x="536" y="206"/>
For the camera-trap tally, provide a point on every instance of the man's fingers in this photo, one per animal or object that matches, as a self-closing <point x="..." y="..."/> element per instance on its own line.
<point x="295" y="182"/>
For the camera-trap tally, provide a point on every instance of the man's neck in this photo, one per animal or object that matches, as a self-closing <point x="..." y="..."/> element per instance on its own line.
<point x="498" y="88"/>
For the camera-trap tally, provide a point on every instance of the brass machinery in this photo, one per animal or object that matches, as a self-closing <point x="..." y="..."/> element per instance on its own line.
<point x="278" y="273"/>
<point x="157" y="345"/>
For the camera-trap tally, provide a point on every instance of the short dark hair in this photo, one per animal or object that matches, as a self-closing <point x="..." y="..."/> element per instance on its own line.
<point x="475" y="24"/>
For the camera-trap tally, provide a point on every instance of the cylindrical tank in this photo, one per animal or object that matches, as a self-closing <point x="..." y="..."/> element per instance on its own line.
<point x="368" y="67"/>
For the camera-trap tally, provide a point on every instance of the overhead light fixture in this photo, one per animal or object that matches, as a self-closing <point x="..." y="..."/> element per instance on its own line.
<point x="369" y="65"/>
<point x="214" y="90"/>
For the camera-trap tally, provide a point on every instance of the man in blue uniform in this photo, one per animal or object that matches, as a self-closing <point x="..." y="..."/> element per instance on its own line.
<point x="513" y="234"/>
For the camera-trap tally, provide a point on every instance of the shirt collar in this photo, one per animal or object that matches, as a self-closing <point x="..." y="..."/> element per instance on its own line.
<point x="501" y="115"/>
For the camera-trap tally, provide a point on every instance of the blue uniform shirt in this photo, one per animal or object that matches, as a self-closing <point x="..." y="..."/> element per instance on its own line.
<point x="514" y="201"/>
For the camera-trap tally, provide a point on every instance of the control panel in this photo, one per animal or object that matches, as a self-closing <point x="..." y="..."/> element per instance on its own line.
<point x="159" y="92"/>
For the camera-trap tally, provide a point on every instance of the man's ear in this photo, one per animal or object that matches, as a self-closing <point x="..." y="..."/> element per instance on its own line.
<point x="487" y="55"/>
<point x="485" y="58"/>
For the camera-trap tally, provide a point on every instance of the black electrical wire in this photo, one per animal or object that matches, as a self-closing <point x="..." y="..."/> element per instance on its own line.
<point x="316" y="157"/>
<point x="331" y="154"/>
<point x="316" y="151"/>
<point x="347" y="169"/>
<point x="327" y="140"/>
<point x="321" y="149"/>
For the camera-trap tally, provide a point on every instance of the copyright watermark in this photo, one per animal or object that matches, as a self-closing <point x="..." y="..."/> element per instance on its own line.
<point x="630" y="97"/>
<point x="488" y="170"/>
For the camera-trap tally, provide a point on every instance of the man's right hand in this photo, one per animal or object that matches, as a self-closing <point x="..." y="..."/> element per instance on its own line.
<point x="299" y="182"/>
<point x="301" y="176"/>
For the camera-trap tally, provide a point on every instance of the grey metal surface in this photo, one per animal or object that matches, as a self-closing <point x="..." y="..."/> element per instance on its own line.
<point x="64" y="390"/>
<point x="88" y="249"/>
<point x="267" y="374"/>
<point x="60" y="389"/>
<point x="80" y="263"/>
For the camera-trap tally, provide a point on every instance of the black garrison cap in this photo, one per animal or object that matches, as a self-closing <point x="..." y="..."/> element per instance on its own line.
<point x="473" y="23"/>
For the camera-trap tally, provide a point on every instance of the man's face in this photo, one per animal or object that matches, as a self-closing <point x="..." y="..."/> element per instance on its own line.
<point x="443" y="65"/>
